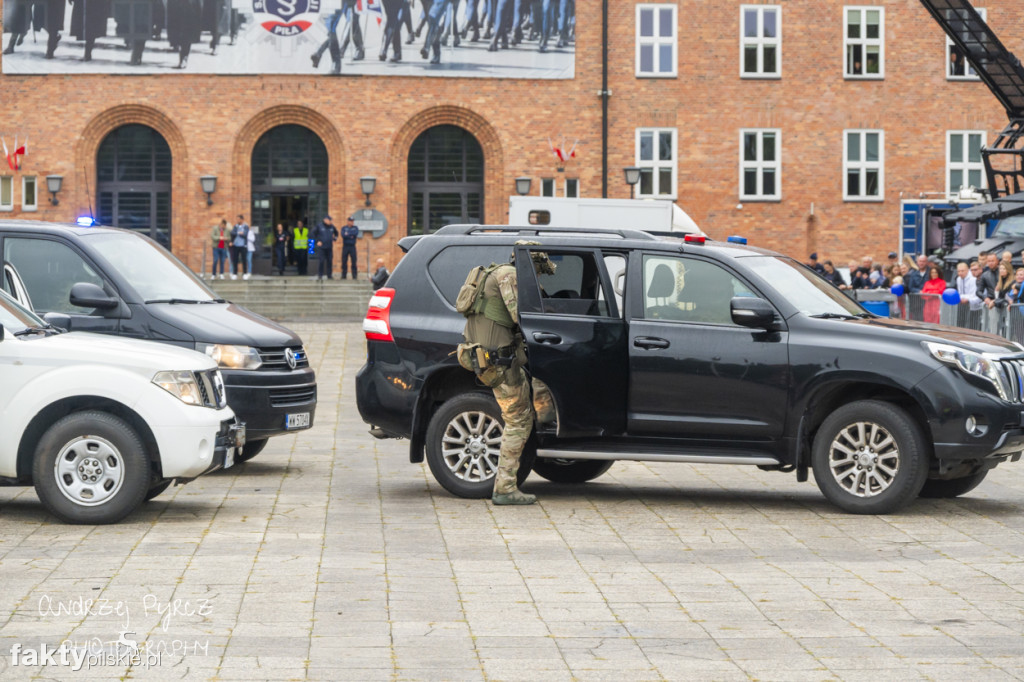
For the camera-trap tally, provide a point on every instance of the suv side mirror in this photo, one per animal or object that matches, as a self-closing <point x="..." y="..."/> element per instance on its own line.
<point x="89" y="295"/>
<point x="752" y="312"/>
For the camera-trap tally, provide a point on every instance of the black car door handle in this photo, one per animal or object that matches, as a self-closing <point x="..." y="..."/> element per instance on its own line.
<point x="546" y="337"/>
<point x="649" y="342"/>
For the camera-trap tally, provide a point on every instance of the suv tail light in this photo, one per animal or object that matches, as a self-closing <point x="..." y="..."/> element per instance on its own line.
<point x="376" y="323"/>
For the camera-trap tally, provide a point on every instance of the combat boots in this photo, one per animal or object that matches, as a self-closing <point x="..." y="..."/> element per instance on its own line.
<point x="514" y="497"/>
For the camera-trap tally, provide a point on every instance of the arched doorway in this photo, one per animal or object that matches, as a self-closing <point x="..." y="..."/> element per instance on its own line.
<point x="289" y="183"/>
<point x="133" y="181"/>
<point x="446" y="179"/>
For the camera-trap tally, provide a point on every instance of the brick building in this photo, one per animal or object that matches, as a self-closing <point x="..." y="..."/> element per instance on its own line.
<point x="799" y="124"/>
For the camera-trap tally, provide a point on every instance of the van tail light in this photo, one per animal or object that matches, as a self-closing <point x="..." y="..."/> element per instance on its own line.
<point x="376" y="324"/>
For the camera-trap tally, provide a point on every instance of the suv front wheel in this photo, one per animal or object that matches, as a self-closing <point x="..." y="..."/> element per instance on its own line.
<point x="870" y="457"/>
<point x="463" y="444"/>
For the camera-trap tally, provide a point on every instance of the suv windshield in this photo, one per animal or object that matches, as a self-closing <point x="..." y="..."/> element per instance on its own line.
<point x="1010" y="227"/>
<point x="151" y="269"/>
<point x="15" y="318"/>
<point x="802" y="287"/>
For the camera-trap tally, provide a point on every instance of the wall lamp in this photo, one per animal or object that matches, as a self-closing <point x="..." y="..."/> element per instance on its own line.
<point x="523" y="185"/>
<point x="632" y="177"/>
<point x="53" y="183"/>
<point x="368" y="183"/>
<point x="209" y="185"/>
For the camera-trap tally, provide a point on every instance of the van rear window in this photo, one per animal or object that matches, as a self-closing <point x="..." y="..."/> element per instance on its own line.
<point x="448" y="269"/>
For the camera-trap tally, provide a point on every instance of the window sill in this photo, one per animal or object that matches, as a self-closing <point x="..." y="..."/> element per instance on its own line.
<point x="863" y="200"/>
<point x="850" y="77"/>
<point x="761" y="76"/>
<point x="29" y="209"/>
<point x="657" y="75"/>
<point x="762" y="200"/>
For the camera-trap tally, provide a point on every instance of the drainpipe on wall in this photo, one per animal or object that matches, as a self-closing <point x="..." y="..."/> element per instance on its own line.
<point x="605" y="94"/>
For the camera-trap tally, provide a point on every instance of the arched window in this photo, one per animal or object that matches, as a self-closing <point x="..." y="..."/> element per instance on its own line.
<point x="133" y="184"/>
<point x="446" y="179"/>
<point x="289" y="178"/>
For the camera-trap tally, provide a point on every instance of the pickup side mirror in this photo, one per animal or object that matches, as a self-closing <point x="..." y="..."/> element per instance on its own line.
<point x="752" y="312"/>
<point x="89" y="295"/>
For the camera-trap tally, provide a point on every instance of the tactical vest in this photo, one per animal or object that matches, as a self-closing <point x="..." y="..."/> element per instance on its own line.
<point x="301" y="238"/>
<point x="488" y="321"/>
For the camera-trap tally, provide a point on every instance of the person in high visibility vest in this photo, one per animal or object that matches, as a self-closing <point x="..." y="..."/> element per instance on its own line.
<point x="301" y="245"/>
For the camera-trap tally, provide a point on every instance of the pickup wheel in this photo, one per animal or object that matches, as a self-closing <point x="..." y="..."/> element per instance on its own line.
<point x="570" y="470"/>
<point x="870" y="457"/>
<point x="251" y="449"/>
<point x="91" y="467"/>
<point x="463" y="444"/>
<point x="939" y="489"/>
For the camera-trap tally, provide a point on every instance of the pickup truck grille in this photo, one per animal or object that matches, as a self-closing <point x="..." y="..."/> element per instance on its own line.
<point x="295" y="395"/>
<point x="1012" y="373"/>
<point x="211" y="388"/>
<point x="277" y="358"/>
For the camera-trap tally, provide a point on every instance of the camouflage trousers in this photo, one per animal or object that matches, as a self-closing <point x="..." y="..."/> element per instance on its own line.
<point x="513" y="396"/>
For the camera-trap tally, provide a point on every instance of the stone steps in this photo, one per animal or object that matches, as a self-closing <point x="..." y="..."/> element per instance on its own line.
<point x="285" y="298"/>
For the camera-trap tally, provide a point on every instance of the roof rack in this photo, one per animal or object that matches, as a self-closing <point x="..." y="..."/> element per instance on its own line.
<point x="545" y="230"/>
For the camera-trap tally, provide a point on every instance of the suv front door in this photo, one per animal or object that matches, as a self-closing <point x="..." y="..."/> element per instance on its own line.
<point x="693" y="372"/>
<point x="576" y="338"/>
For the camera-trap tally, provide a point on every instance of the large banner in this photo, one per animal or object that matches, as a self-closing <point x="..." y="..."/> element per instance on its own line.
<point x="472" y="38"/>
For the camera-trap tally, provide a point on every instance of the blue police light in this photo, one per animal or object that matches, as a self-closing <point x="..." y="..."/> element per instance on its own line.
<point x="736" y="239"/>
<point x="86" y="221"/>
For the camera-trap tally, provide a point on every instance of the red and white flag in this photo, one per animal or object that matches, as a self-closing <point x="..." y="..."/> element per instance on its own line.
<point x="13" y="159"/>
<point x="372" y="8"/>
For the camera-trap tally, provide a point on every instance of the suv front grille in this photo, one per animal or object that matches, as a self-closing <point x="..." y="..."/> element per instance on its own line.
<point x="1012" y="373"/>
<point x="295" y="395"/>
<point x="277" y="358"/>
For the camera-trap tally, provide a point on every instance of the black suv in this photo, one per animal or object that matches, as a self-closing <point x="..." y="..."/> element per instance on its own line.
<point x="111" y="281"/>
<point x="680" y="350"/>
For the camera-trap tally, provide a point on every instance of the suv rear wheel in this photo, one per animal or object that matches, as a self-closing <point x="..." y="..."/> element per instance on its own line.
<point x="870" y="457"/>
<point x="570" y="470"/>
<point x="91" y="467"/>
<point x="463" y="444"/>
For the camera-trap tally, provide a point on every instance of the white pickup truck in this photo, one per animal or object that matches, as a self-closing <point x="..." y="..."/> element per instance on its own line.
<point x="99" y="424"/>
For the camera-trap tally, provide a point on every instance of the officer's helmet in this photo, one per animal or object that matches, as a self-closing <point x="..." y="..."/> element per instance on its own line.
<point x="541" y="262"/>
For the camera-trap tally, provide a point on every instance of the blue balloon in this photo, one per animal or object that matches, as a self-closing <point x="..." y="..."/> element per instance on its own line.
<point x="897" y="290"/>
<point x="951" y="296"/>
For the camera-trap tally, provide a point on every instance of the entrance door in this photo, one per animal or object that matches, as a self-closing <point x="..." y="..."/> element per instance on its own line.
<point x="446" y="179"/>
<point x="133" y="188"/>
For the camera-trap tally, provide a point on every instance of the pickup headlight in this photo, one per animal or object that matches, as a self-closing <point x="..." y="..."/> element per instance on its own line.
<point x="972" y="362"/>
<point x="181" y="384"/>
<point x="231" y="357"/>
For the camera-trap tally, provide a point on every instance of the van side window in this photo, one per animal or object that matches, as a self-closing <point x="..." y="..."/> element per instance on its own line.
<point x="539" y="217"/>
<point x="49" y="269"/>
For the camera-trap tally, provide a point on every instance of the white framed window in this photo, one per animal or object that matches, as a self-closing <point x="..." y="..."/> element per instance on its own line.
<point x="572" y="188"/>
<point x="761" y="164"/>
<point x="547" y="187"/>
<point x="656" y="158"/>
<point x="964" y="167"/>
<point x="863" y="165"/>
<point x="656" y="41"/>
<point x="760" y="41"/>
<point x="6" y="193"/>
<point x="957" y="68"/>
<point x="864" y="42"/>
<point x="28" y="193"/>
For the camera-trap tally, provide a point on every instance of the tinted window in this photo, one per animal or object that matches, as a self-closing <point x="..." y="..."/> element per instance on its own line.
<point x="575" y="288"/>
<point x="49" y="269"/>
<point x="449" y="268"/>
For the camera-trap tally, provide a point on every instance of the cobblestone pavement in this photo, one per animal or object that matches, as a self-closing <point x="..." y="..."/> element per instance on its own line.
<point x="331" y="557"/>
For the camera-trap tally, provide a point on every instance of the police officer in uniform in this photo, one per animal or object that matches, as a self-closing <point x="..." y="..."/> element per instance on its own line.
<point x="493" y="323"/>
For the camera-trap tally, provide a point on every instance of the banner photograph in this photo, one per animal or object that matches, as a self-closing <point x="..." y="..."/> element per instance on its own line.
<point x="532" y="39"/>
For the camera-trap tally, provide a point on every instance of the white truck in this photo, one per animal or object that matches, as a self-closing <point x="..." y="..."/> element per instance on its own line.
<point x="98" y="424"/>
<point x="651" y="215"/>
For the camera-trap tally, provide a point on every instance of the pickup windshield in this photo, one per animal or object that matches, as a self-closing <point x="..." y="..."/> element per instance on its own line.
<point x="151" y="269"/>
<point x="1010" y="227"/>
<point x="803" y="288"/>
<point x="14" y="317"/>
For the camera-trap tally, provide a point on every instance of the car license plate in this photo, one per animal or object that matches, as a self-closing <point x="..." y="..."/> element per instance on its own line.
<point x="297" y="421"/>
<point x="229" y="458"/>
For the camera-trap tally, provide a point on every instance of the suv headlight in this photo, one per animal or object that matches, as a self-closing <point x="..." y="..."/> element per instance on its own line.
<point x="181" y="384"/>
<point x="974" y="363"/>
<point x="231" y="357"/>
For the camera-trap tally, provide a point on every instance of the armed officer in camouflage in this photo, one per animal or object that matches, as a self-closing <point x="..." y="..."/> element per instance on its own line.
<point x="494" y="349"/>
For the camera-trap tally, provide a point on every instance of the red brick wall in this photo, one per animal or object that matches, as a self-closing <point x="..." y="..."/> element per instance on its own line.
<point x="368" y="124"/>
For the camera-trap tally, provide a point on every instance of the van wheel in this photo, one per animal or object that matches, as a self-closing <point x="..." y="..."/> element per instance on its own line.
<point x="955" y="487"/>
<point x="251" y="449"/>
<point x="463" y="444"/>
<point x="570" y="470"/>
<point x="870" y="457"/>
<point x="91" y="467"/>
<point x="157" y="489"/>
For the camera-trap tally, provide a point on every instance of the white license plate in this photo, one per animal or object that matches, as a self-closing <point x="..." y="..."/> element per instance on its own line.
<point x="297" y="421"/>
<point x="229" y="458"/>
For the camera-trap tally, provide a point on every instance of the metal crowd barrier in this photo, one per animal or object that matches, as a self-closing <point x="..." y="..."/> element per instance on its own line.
<point x="1006" y="321"/>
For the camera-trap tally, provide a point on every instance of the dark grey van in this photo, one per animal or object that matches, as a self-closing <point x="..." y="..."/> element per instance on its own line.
<point x="113" y="281"/>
